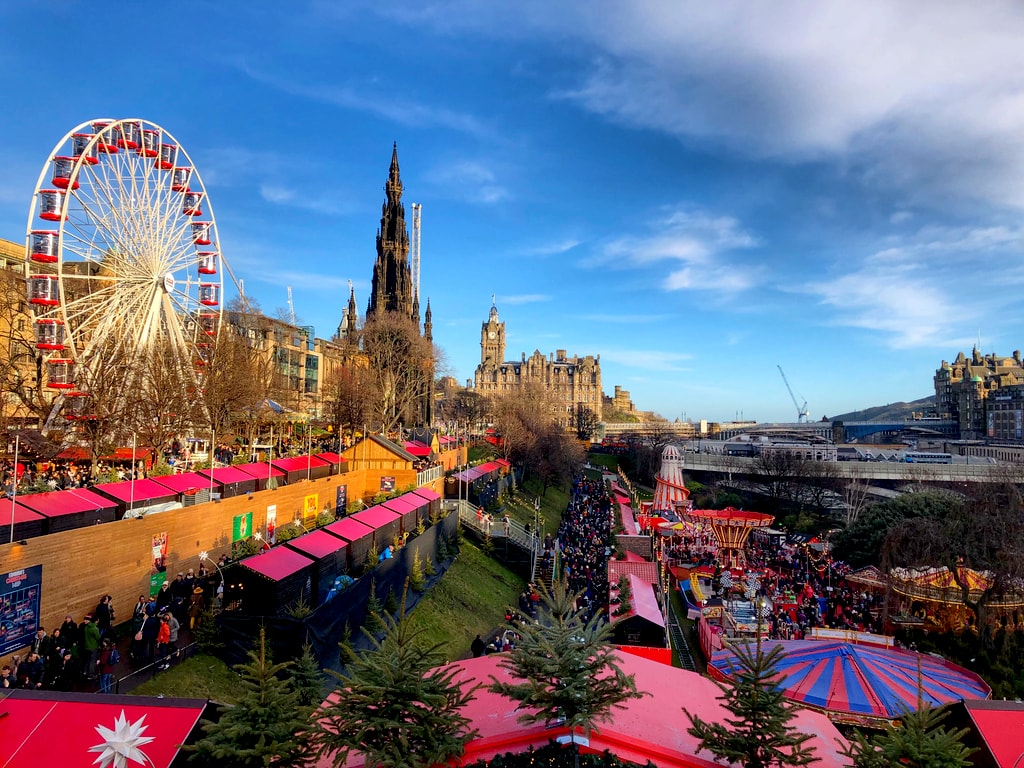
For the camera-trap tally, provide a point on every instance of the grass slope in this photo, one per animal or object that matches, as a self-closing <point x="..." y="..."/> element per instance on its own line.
<point x="199" y="677"/>
<point x="469" y="600"/>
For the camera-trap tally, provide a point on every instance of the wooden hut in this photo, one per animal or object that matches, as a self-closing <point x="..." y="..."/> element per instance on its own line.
<point x="266" y="475"/>
<point x="385" y="523"/>
<point x="276" y="579"/>
<point x="330" y="560"/>
<point x="230" y="481"/>
<point x="73" y="508"/>
<point x="297" y="468"/>
<point x="358" y="536"/>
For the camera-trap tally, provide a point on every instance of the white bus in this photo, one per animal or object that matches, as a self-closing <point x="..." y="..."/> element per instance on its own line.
<point x="917" y="457"/>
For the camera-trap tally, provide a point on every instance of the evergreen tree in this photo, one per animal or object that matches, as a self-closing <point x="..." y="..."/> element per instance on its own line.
<point x="429" y="569"/>
<point x="207" y="635"/>
<point x="563" y="667"/>
<point x="374" y="609"/>
<point x="307" y="678"/>
<point x="395" y="704"/>
<point x="919" y="741"/>
<point x="345" y="650"/>
<point x="416" y="575"/>
<point x="391" y="602"/>
<point x="267" y="726"/>
<point x="758" y="734"/>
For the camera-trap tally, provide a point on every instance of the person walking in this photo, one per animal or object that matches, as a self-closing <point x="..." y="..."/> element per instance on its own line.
<point x="108" y="658"/>
<point x="90" y="645"/>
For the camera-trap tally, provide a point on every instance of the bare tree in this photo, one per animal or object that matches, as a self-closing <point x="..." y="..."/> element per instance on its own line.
<point x="21" y="374"/>
<point x="349" y="396"/>
<point x="855" y="499"/>
<point x="584" y="422"/>
<point x="401" y="363"/>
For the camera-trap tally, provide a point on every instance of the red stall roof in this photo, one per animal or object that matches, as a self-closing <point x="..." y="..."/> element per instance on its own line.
<point x="349" y="529"/>
<point x="1001" y="725"/>
<point x="186" y="481"/>
<point x="144" y="490"/>
<point x="51" y="728"/>
<point x="317" y="544"/>
<point x="67" y="502"/>
<point x="427" y="493"/>
<point x="22" y="514"/>
<point x="376" y="517"/>
<point x="298" y="463"/>
<point x="228" y="475"/>
<point x="260" y="470"/>
<point x="417" y="448"/>
<point x="279" y="563"/>
<point x="329" y="457"/>
<point x="644" y="602"/>
<point x="402" y="505"/>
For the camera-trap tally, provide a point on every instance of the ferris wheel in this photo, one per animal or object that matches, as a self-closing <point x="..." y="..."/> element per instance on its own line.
<point x="122" y="259"/>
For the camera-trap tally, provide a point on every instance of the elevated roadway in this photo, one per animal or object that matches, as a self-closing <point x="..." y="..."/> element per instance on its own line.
<point x="870" y="470"/>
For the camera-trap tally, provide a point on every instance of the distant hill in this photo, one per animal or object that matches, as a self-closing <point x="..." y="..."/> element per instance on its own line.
<point x="890" y="412"/>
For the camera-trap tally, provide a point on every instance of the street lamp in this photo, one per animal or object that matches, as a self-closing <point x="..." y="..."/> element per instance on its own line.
<point x="204" y="556"/>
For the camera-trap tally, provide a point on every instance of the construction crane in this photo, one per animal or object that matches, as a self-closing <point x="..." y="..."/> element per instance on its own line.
<point x="291" y="308"/>
<point x="802" y="412"/>
<point x="414" y="251"/>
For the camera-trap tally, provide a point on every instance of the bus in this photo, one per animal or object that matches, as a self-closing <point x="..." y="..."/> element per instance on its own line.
<point x="916" y="457"/>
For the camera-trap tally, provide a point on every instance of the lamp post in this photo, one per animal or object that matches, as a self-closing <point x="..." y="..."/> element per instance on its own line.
<point x="204" y="556"/>
<point x="14" y="487"/>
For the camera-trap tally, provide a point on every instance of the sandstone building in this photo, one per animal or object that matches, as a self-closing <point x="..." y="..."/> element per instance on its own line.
<point x="571" y="382"/>
<point x="964" y="389"/>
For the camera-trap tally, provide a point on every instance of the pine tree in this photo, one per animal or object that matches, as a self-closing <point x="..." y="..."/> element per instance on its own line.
<point x="758" y="734"/>
<point x="267" y="726"/>
<point x="416" y="576"/>
<point x="391" y="602"/>
<point x="919" y="741"/>
<point x="307" y="678"/>
<point x="563" y="667"/>
<point x="429" y="569"/>
<point x="395" y="704"/>
<point x="345" y="650"/>
<point x="374" y="609"/>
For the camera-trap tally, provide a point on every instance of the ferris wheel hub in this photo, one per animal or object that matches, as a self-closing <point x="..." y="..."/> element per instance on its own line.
<point x="168" y="283"/>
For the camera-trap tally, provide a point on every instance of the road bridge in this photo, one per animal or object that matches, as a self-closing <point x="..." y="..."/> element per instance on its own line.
<point x="870" y="470"/>
<point x="844" y="431"/>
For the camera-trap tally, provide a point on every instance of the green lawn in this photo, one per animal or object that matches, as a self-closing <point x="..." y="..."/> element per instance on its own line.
<point x="199" y="677"/>
<point x="606" y="460"/>
<point x="552" y="504"/>
<point x="469" y="600"/>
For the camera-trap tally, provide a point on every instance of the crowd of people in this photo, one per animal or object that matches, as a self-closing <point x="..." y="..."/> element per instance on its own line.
<point x="584" y="542"/>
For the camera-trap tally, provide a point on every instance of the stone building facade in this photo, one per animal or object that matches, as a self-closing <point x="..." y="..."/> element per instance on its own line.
<point x="571" y="382"/>
<point x="964" y="389"/>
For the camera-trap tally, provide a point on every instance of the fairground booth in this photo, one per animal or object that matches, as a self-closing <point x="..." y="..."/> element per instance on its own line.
<point x="73" y="508"/>
<point x="24" y="523"/>
<point x="385" y="524"/>
<point x="359" y="538"/>
<point x="230" y="481"/>
<point x="298" y="468"/>
<point x="330" y="560"/>
<point x="138" y="497"/>
<point x="190" y="488"/>
<point x="265" y="475"/>
<point x="279" y="577"/>
<point x="49" y="728"/>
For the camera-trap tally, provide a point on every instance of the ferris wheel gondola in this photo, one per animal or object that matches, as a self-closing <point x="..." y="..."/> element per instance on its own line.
<point x="122" y="257"/>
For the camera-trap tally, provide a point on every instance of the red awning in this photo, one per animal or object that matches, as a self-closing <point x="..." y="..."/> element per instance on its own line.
<point x="427" y="493"/>
<point x="137" y="491"/>
<point x="20" y="513"/>
<point x="228" y="475"/>
<point x="349" y="529"/>
<point x="50" y="728"/>
<point x="376" y="517"/>
<point x="317" y="544"/>
<point x="75" y="453"/>
<point x="417" y="448"/>
<point x="260" y="470"/>
<point x="329" y="457"/>
<point x="185" y="482"/>
<point x="298" y="463"/>
<point x="403" y="505"/>
<point x="67" y="502"/>
<point x="279" y="563"/>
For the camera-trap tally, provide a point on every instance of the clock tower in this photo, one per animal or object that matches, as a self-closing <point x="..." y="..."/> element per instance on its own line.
<point x="492" y="338"/>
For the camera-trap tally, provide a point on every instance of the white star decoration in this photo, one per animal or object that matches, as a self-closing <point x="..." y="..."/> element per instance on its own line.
<point x="122" y="743"/>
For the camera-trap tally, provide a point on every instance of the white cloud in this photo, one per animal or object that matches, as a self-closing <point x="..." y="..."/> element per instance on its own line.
<point x="646" y="359"/>
<point x="523" y="298"/>
<point x="469" y="180"/>
<point x="552" y="248"/>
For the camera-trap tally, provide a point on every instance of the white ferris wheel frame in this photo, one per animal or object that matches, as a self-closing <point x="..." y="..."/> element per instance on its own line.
<point x="121" y="221"/>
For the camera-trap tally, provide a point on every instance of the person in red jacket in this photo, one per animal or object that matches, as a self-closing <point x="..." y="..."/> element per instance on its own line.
<point x="163" y="640"/>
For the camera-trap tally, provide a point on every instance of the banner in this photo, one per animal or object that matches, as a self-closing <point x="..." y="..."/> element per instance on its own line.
<point x="271" y="523"/>
<point x="19" y="608"/>
<point x="158" y="553"/>
<point x="241" y="527"/>
<point x="310" y="509"/>
<point x="387" y="484"/>
<point x="341" y="501"/>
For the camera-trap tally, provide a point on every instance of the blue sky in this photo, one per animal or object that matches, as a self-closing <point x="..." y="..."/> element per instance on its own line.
<point x="697" y="192"/>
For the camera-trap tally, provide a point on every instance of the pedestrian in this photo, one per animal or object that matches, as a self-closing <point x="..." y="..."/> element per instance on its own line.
<point x="105" y="664"/>
<point x="172" y="641"/>
<point x="477" y="647"/>
<point x="104" y="615"/>
<point x="90" y="647"/>
<point x="163" y="639"/>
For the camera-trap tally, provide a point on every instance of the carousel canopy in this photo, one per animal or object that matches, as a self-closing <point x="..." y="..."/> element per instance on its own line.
<point x="861" y="684"/>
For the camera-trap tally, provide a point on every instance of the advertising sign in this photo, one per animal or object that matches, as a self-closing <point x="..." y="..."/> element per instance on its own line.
<point x="309" y="509"/>
<point x="19" y="608"/>
<point x="341" y="501"/>
<point x="387" y="484"/>
<point x="271" y="523"/>
<point x="241" y="527"/>
<point x="158" y="553"/>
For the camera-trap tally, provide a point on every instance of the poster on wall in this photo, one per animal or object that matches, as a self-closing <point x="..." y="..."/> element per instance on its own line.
<point x="241" y="527"/>
<point x="158" y="573"/>
<point x="387" y="484"/>
<point x="19" y="608"/>
<point x="272" y="523"/>
<point x="341" y="501"/>
<point x="309" y="509"/>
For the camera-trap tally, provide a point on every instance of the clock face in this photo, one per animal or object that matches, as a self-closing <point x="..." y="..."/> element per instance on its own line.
<point x="491" y="334"/>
